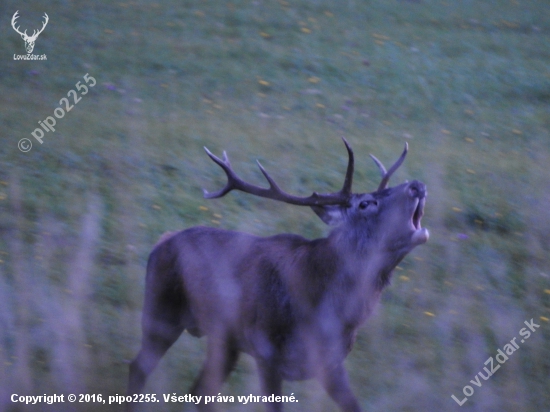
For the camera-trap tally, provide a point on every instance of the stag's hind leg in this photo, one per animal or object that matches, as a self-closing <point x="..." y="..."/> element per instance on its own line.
<point x="155" y="342"/>
<point x="221" y="357"/>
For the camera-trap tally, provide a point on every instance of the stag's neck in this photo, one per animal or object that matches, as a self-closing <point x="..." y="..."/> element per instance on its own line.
<point x="343" y="281"/>
<point x="369" y="264"/>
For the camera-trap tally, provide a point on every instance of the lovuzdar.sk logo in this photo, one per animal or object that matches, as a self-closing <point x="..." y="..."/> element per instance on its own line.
<point x="29" y="40"/>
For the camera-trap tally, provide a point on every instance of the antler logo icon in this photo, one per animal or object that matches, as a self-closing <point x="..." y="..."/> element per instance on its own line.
<point x="29" y="40"/>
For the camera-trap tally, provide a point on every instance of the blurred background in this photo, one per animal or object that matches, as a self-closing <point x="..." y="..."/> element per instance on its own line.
<point x="466" y="83"/>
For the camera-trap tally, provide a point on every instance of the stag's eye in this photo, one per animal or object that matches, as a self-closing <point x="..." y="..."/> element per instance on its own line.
<point x="366" y="203"/>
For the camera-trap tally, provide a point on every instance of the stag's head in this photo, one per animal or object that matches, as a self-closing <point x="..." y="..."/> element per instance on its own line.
<point x="29" y="40"/>
<point x="387" y="219"/>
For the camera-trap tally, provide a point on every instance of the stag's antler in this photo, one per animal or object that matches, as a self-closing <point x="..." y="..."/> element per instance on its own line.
<point x="274" y="192"/>
<point x="387" y="174"/>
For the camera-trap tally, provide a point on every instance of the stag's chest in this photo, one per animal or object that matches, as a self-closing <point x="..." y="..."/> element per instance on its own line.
<point x="301" y="341"/>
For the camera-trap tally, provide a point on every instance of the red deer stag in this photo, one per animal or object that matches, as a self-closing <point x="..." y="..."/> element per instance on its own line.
<point x="293" y="304"/>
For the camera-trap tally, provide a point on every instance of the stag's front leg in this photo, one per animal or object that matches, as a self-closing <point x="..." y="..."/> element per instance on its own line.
<point x="336" y="383"/>
<point x="271" y="383"/>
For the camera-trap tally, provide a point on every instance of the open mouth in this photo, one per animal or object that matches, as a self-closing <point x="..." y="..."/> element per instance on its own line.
<point x="418" y="213"/>
<point x="417" y="191"/>
<point x="420" y="234"/>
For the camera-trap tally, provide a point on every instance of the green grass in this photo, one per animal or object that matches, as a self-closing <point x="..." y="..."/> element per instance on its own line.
<point x="466" y="83"/>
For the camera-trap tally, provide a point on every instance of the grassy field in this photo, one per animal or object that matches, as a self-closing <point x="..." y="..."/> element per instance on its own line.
<point x="465" y="83"/>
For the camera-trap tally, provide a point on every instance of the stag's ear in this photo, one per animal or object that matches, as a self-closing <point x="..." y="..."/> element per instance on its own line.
<point x="331" y="214"/>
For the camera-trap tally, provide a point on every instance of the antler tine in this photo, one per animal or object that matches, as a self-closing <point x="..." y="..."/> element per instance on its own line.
<point x="379" y="164"/>
<point x="346" y="189"/>
<point x="274" y="192"/>
<point x="386" y="175"/>
<point x="269" y="179"/>
<point x="226" y="166"/>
